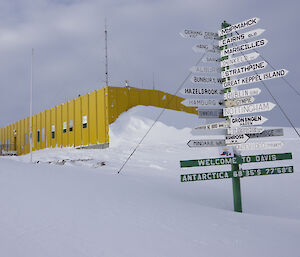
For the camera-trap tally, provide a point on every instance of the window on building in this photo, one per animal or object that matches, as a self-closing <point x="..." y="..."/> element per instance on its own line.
<point x="84" y="121"/>
<point x="38" y="136"/>
<point x="53" y="131"/>
<point x="70" y="125"/>
<point x="65" y="127"/>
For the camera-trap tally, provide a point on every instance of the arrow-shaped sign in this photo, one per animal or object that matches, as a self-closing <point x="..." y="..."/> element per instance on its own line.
<point x="202" y="48"/>
<point x="251" y="108"/>
<point x="244" y="130"/>
<point x="210" y="113"/>
<point x="255" y="78"/>
<point x="201" y="91"/>
<point x="268" y="133"/>
<point x="239" y="101"/>
<point x="244" y="47"/>
<point x="205" y="80"/>
<point x="240" y="37"/>
<point x="217" y="125"/>
<point x="203" y="102"/>
<point x="244" y="69"/>
<point x="205" y="69"/>
<point x="242" y="93"/>
<point x="240" y="59"/>
<point x="206" y="143"/>
<point x="236" y="139"/>
<point x="247" y="121"/>
<point x="238" y="26"/>
<point x="209" y="59"/>
<point x="196" y="34"/>
<point x="260" y="145"/>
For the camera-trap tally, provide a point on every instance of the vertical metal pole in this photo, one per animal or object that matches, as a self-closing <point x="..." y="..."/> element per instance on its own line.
<point x="106" y="56"/>
<point x="31" y="84"/>
<point x="236" y="183"/>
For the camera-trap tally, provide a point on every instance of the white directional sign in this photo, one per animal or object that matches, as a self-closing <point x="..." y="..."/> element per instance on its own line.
<point x="203" y="102"/>
<point x="247" y="121"/>
<point x="210" y="59"/>
<point x="268" y="133"/>
<point x="210" y="113"/>
<point x="240" y="37"/>
<point x="205" y="80"/>
<point x="244" y="47"/>
<point x="206" y="143"/>
<point x="205" y="69"/>
<point x="244" y="130"/>
<point x="244" y="69"/>
<point x="260" y="145"/>
<point x="255" y="78"/>
<point x="202" y="48"/>
<point x="217" y="125"/>
<point x="238" y="26"/>
<point x="239" y="101"/>
<point x="239" y="59"/>
<point x="201" y="91"/>
<point x="236" y="139"/>
<point x="196" y="34"/>
<point x="250" y="108"/>
<point x="242" y="93"/>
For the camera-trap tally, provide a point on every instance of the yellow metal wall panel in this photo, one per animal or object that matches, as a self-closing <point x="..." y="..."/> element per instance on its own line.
<point x="71" y="116"/>
<point x="58" y="126"/>
<point x="43" y="130"/>
<point x="18" y="131"/>
<point x="22" y="136"/>
<point x="48" y="128"/>
<point x="93" y="117"/>
<point x="26" y="148"/>
<point x="53" y="123"/>
<point x="65" y="129"/>
<point x="78" y="122"/>
<point x="34" y="147"/>
<point x="85" y="113"/>
<point x="102" y="117"/>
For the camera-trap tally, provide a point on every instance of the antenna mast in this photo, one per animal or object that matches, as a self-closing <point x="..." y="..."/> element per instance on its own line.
<point x="106" y="58"/>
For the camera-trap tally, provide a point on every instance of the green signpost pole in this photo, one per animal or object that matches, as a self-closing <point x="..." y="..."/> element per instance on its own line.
<point x="236" y="183"/>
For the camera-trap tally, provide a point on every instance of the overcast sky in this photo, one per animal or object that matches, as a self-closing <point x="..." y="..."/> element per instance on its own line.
<point x="143" y="38"/>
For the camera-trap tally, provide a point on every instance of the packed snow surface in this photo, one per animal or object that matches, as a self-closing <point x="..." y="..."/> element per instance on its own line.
<point x="72" y="203"/>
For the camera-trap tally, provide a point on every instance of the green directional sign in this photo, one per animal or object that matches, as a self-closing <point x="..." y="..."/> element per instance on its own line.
<point x="235" y="160"/>
<point x="236" y="174"/>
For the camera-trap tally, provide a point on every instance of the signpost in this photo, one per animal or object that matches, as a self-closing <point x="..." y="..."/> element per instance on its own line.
<point x="268" y="133"/>
<point x="260" y="145"/>
<point x="238" y="26"/>
<point x="247" y="121"/>
<point x="201" y="91"/>
<point x="250" y="108"/>
<point x="236" y="139"/>
<point x="240" y="37"/>
<point x="236" y="174"/>
<point x="244" y="130"/>
<point x="240" y="59"/>
<point x="206" y="143"/>
<point x="202" y="48"/>
<point x="244" y="47"/>
<point x="239" y="101"/>
<point x="255" y="78"/>
<point x="196" y="34"/>
<point x="210" y="113"/>
<point x="205" y="69"/>
<point x="218" y="125"/>
<point x="210" y="59"/>
<point x="205" y="80"/>
<point x="241" y="93"/>
<point x="196" y="102"/>
<point x="244" y="69"/>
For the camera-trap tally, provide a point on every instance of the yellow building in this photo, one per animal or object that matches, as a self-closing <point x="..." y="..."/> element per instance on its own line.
<point x="83" y="121"/>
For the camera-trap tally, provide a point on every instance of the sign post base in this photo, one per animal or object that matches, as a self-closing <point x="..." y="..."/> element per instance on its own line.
<point x="236" y="188"/>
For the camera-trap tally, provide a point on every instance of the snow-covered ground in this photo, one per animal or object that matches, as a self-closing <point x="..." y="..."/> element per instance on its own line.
<point x="83" y="208"/>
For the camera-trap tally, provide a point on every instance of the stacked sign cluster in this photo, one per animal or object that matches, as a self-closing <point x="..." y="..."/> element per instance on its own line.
<point x="229" y="48"/>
